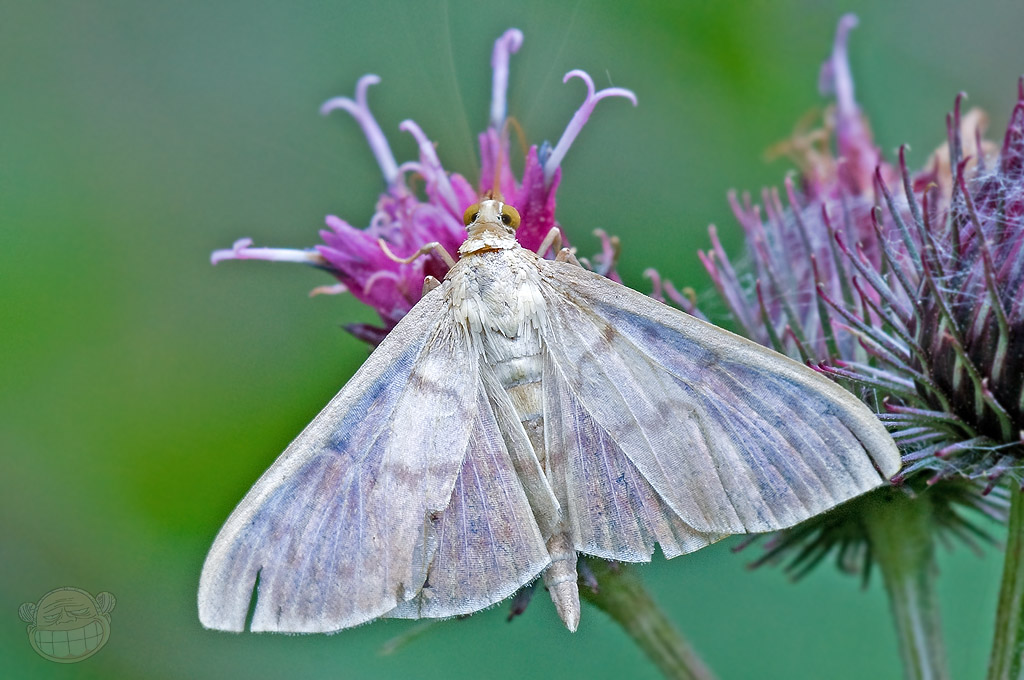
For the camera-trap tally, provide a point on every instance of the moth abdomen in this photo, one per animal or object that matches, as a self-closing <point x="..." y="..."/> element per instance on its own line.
<point x="560" y="579"/>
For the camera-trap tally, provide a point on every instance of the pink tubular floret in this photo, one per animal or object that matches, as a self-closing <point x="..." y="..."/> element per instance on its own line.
<point x="242" y="250"/>
<point x="360" y="110"/>
<point x="580" y="118"/>
<point x="504" y="47"/>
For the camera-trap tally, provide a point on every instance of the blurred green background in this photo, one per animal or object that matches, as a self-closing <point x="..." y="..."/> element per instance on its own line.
<point x="143" y="391"/>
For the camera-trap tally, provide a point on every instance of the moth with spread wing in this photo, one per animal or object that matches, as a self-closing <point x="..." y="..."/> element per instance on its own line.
<point x="524" y="411"/>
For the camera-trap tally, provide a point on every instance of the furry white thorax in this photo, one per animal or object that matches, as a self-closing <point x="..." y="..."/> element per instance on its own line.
<point x="495" y="296"/>
<point x="495" y="286"/>
<point x="497" y="292"/>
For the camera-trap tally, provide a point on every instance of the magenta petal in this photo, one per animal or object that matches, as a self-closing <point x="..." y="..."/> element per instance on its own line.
<point x="1011" y="158"/>
<point x="367" y="333"/>
<point x="465" y="194"/>
<point x="494" y="150"/>
<point x="535" y="201"/>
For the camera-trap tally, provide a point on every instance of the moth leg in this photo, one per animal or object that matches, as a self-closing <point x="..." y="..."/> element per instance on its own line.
<point x="587" y="575"/>
<point x="552" y="240"/>
<point x="429" y="284"/>
<point x="566" y="255"/>
<point x="519" y="601"/>
<point x="433" y="246"/>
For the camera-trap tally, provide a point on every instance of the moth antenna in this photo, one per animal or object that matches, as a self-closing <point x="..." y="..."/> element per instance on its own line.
<point x="520" y="134"/>
<point x="495" y="191"/>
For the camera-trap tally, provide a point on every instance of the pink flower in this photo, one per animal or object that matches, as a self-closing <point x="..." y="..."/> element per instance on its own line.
<point x="406" y="220"/>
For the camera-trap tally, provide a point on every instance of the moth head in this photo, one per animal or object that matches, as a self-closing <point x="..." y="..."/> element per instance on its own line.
<point x="490" y="213"/>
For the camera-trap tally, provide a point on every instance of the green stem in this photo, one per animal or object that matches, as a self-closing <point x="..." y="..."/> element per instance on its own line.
<point x="900" y="531"/>
<point x="621" y="595"/>
<point x="1007" y="660"/>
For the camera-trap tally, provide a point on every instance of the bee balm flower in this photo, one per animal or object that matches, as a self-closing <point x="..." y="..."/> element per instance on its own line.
<point x="405" y="220"/>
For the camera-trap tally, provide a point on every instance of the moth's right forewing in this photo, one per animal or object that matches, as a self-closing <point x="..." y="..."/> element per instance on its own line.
<point x="732" y="436"/>
<point x="337" y="529"/>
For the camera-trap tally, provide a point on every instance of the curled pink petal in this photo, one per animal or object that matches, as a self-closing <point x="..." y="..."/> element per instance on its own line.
<point x="433" y="172"/>
<point x="231" y="253"/>
<point x="413" y="167"/>
<point x="360" y="110"/>
<point x="580" y="118"/>
<point x="836" y="79"/>
<point x="377" y="277"/>
<point x="606" y="260"/>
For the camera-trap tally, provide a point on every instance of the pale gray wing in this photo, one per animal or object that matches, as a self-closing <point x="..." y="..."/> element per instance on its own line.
<point x="732" y="436"/>
<point x="339" y="530"/>
<point x="611" y="509"/>
<point x="488" y="544"/>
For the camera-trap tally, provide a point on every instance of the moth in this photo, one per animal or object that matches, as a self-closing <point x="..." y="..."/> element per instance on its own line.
<point x="526" y="411"/>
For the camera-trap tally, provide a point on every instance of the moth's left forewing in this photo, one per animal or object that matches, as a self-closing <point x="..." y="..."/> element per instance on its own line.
<point x="732" y="436"/>
<point x="338" y="531"/>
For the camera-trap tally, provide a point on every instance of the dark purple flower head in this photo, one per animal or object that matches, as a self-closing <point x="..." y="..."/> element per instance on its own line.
<point x="907" y="287"/>
<point x="406" y="220"/>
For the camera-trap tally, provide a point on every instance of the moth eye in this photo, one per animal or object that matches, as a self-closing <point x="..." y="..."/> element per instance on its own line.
<point x="509" y="216"/>
<point x="472" y="212"/>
